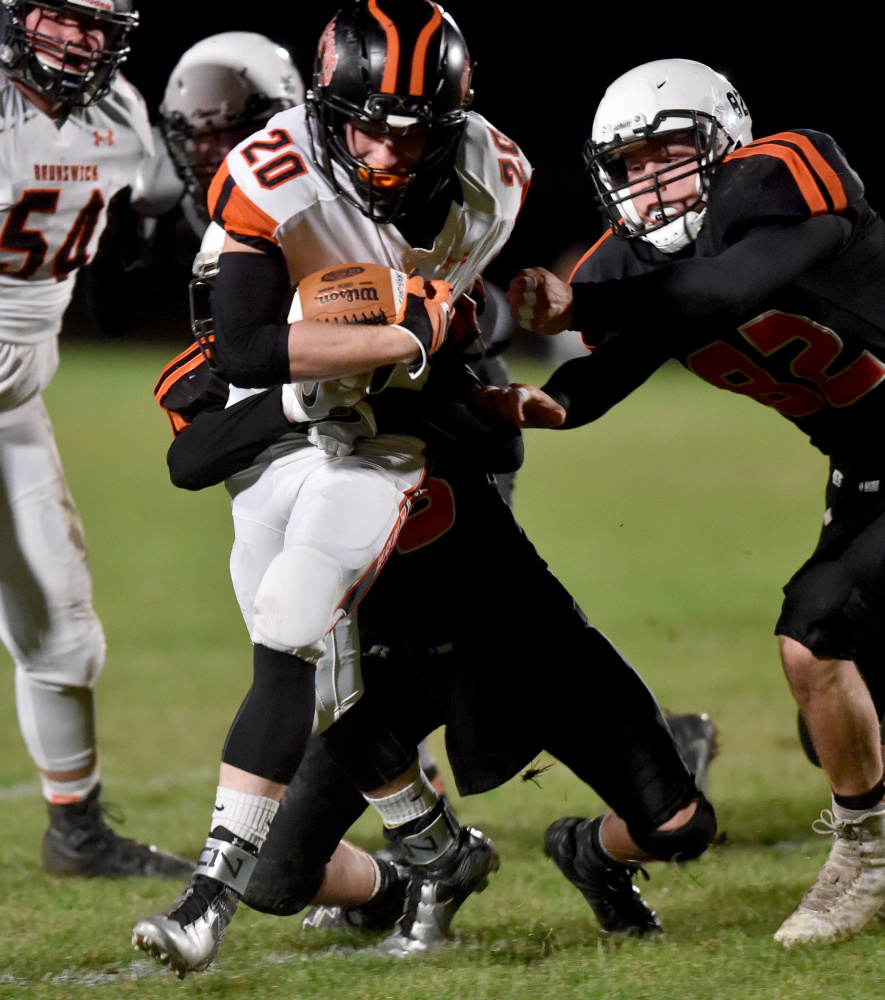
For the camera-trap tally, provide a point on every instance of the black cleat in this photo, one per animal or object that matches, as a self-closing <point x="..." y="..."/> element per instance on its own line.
<point x="379" y="914"/>
<point x="573" y="844"/>
<point x="80" y="842"/>
<point x="695" y="735"/>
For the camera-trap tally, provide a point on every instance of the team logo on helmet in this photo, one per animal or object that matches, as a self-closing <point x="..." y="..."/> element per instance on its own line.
<point x="328" y="56"/>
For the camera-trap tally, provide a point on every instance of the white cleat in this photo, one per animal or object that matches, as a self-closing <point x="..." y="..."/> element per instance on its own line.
<point x="850" y="888"/>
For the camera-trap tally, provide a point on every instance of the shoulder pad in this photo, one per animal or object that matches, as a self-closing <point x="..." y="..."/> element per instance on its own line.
<point x="493" y="171"/>
<point x="127" y="102"/>
<point x="789" y="175"/>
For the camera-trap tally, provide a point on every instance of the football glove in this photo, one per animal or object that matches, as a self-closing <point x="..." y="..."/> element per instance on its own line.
<point x="305" y="402"/>
<point x="424" y="315"/>
<point x="339" y="433"/>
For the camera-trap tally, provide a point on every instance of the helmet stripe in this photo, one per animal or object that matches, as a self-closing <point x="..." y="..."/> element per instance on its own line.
<point x="419" y="59"/>
<point x="391" y="64"/>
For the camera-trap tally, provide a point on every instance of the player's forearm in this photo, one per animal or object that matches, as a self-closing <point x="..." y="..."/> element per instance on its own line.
<point x="704" y="289"/>
<point x="223" y="441"/>
<point x="330" y="350"/>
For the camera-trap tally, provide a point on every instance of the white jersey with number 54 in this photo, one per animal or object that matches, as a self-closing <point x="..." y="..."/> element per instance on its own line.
<point x="55" y="185"/>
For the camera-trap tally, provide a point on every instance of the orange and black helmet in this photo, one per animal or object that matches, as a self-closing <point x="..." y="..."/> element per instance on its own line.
<point x="390" y="66"/>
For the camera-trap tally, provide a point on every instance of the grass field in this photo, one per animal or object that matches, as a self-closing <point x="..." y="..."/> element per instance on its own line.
<point x="674" y="522"/>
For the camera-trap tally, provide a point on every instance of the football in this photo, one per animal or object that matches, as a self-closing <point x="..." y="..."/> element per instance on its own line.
<point x="350" y="293"/>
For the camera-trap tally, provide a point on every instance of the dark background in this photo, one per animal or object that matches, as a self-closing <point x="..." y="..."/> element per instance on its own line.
<point x="538" y="78"/>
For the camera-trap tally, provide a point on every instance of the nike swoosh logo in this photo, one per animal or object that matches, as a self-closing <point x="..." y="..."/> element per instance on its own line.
<point x="219" y="808"/>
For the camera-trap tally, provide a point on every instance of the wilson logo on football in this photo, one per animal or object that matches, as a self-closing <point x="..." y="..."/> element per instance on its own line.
<point x="349" y="295"/>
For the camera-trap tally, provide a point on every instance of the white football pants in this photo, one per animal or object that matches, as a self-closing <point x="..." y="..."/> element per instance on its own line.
<point x="46" y="618"/>
<point x="310" y="534"/>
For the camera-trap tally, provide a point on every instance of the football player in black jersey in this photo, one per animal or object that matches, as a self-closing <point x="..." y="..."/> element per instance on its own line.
<point x="431" y="658"/>
<point x="761" y="268"/>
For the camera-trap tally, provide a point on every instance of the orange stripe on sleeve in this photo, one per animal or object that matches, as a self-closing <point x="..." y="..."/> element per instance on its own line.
<point x="216" y="187"/>
<point x="592" y="249"/>
<point x="824" y="171"/>
<point x="169" y="378"/>
<point x="391" y="65"/>
<point x="419" y="60"/>
<point x="243" y="217"/>
<point x="803" y="174"/>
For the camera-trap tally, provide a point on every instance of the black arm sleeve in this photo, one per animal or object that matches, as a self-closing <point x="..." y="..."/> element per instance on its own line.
<point x="221" y="441"/>
<point x="703" y="288"/>
<point x="453" y="424"/>
<point x="638" y="316"/>
<point x="249" y="303"/>
<point x="589" y="386"/>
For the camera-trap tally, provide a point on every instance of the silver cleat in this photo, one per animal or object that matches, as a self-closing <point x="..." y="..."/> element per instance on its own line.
<point x="695" y="735"/>
<point x="436" y="891"/>
<point x="187" y="935"/>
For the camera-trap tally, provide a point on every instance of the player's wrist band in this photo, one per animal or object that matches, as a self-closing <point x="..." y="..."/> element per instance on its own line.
<point x="417" y="367"/>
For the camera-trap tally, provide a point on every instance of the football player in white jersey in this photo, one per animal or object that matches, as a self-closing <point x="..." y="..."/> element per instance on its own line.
<point x="382" y="164"/>
<point x="73" y="133"/>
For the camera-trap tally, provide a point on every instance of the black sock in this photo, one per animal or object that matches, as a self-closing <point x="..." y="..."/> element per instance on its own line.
<point x="222" y="833"/>
<point x="862" y="802"/>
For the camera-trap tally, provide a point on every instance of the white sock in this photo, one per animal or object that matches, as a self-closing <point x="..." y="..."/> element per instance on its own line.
<point x="63" y="793"/>
<point x="377" y="884"/>
<point x="412" y="802"/>
<point x="852" y="815"/>
<point x="246" y="816"/>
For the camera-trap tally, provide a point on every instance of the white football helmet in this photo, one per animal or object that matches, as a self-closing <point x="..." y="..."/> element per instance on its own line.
<point x="223" y="89"/>
<point x="669" y="97"/>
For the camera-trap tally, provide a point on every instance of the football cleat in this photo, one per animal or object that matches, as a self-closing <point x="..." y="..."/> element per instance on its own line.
<point x="80" y="842"/>
<point x="607" y="885"/>
<point x="186" y="937"/>
<point x="378" y="914"/>
<point x="850" y="888"/>
<point x="436" y="891"/>
<point x="695" y="735"/>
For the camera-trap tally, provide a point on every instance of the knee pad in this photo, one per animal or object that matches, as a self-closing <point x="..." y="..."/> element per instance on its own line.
<point x="283" y="889"/>
<point x="685" y="843"/>
<point x="296" y="602"/>
<point x="70" y="654"/>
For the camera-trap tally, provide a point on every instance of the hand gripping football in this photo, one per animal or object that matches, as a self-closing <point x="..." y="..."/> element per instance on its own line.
<point x="351" y="293"/>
